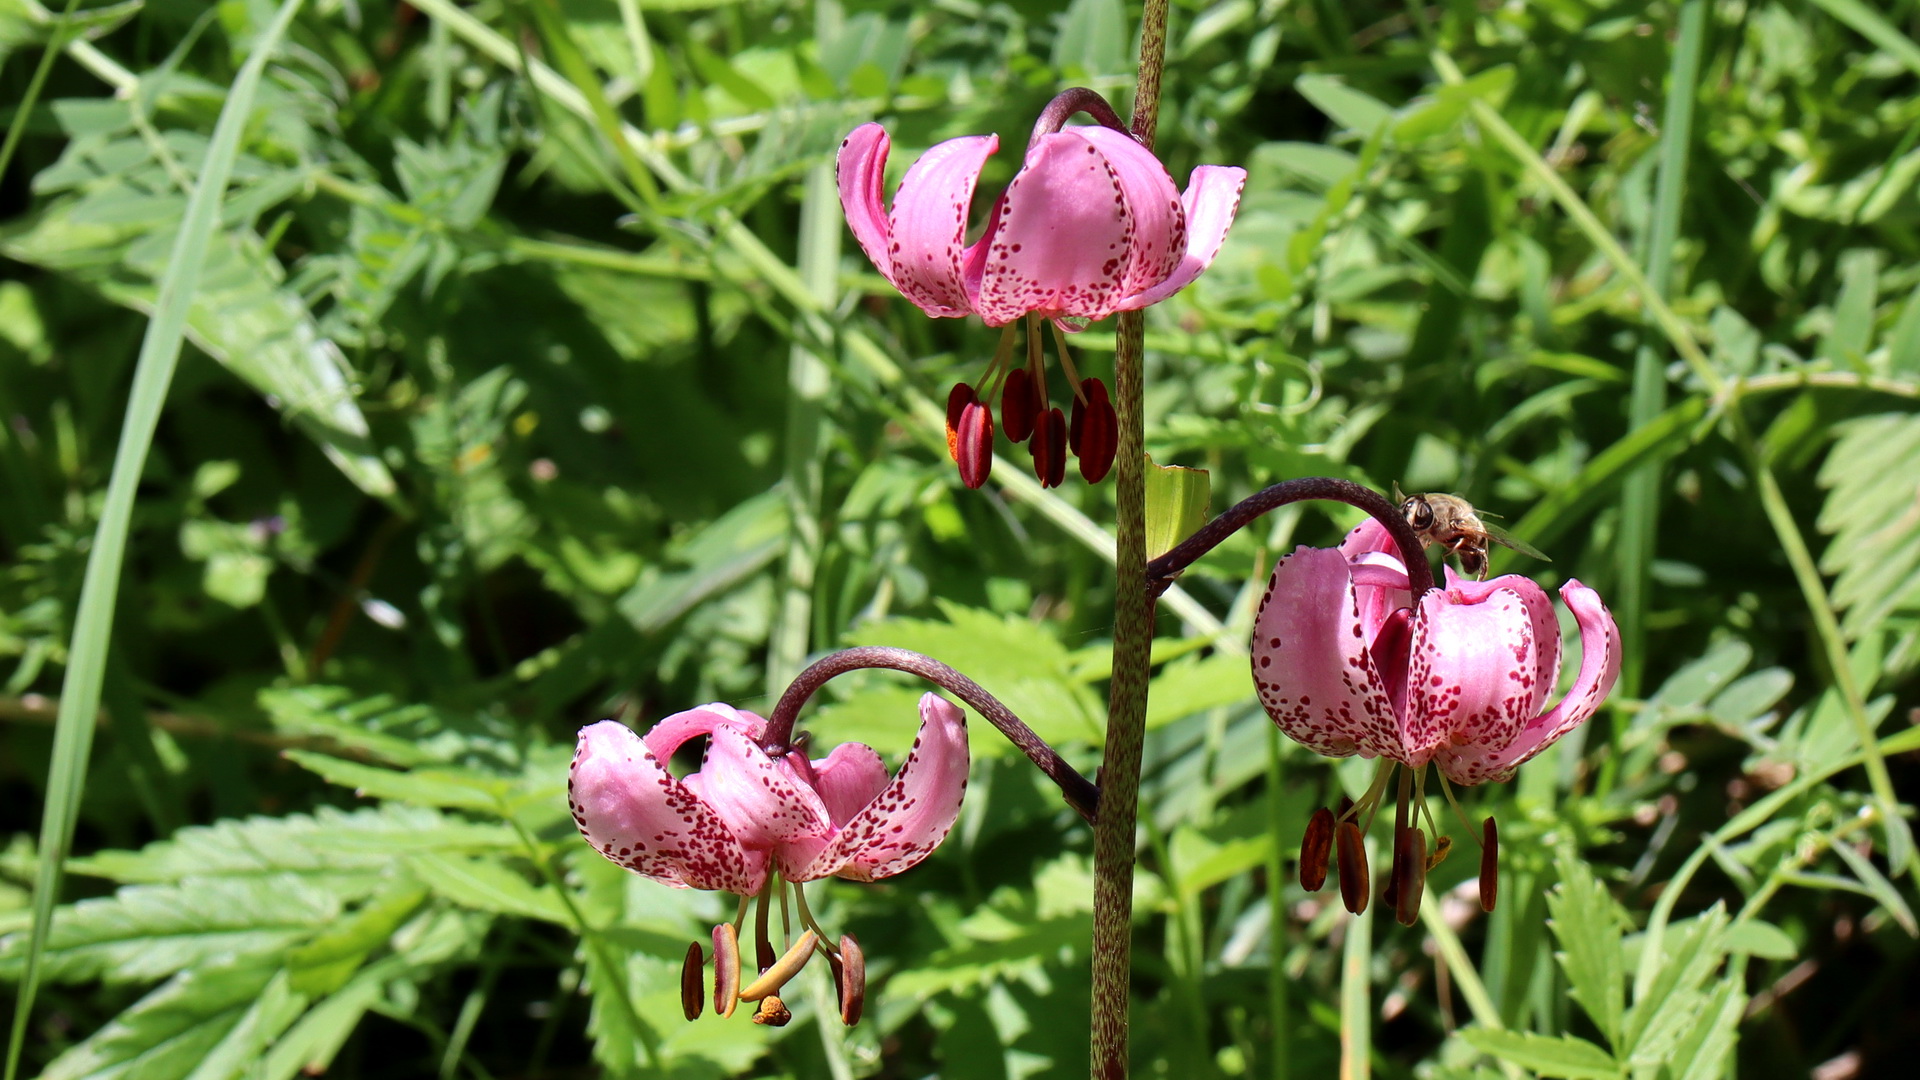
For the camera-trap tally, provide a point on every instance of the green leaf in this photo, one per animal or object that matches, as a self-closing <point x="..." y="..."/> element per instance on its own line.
<point x="325" y="963"/>
<point x="1017" y="660"/>
<point x="1878" y="887"/>
<point x="329" y="840"/>
<point x="146" y="932"/>
<point x="1566" y="1056"/>
<point x="1352" y="109"/>
<point x="1586" y="921"/>
<point x="168" y="1033"/>
<point x="459" y="789"/>
<point x="1178" y="503"/>
<point x="488" y="885"/>
<point x="1093" y="40"/>
<point x="735" y="547"/>
<point x="99" y="592"/>
<point x="1195" y="684"/>
<point x="1762" y="939"/>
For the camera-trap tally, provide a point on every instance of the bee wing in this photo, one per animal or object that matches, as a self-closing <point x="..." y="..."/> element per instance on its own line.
<point x="1505" y="539"/>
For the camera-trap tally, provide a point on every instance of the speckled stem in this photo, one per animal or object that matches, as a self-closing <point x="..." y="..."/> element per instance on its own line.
<point x="1113" y="830"/>
<point x="1080" y="793"/>
<point x="1162" y="571"/>
<point x="1075" y="99"/>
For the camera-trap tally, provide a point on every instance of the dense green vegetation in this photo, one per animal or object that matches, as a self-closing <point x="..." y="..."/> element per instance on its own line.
<point x="529" y="377"/>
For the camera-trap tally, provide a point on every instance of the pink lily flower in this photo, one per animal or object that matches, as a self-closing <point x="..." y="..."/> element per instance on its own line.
<point x="1344" y="666"/>
<point x="750" y="822"/>
<point x="1089" y="226"/>
<point x="744" y="814"/>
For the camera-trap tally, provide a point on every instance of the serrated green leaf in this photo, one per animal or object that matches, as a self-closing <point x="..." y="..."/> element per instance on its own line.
<point x="325" y="963"/>
<point x="1195" y="684"/>
<point x="1017" y="660"/>
<point x="1586" y="921"/>
<point x="488" y="885"/>
<point x="1704" y="1052"/>
<point x="166" y="1034"/>
<point x="460" y="789"/>
<point x="1565" y="1056"/>
<point x="147" y="932"/>
<point x="329" y="840"/>
<point x="309" y="1045"/>
<point x="1691" y="951"/>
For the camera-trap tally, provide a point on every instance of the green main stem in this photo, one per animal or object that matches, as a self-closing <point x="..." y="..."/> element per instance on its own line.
<point x="1113" y="827"/>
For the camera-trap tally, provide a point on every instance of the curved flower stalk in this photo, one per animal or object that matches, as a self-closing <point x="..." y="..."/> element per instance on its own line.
<point x="758" y="816"/>
<point x="1090" y="225"/>
<point x="1347" y="662"/>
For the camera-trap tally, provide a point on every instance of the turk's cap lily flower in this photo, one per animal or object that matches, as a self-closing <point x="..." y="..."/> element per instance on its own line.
<point x="745" y="813"/>
<point x="1346" y="663"/>
<point x="1090" y="225"/>
<point x="1344" y="666"/>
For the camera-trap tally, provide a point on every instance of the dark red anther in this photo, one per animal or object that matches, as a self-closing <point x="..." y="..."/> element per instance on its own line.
<point x="1489" y="865"/>
<point x="1050" y="448"/>
<point x="1412" y="874"/>
<point x="692" y="994"/>
<point x="973" y="447"/>
<point x="1021" y="402"/>
<point x="1355" y="884"/>
<point x="1315" y="847"/>
<point x="958" y="399"/>
<point x="850" y="978"/>
<point x="1095" y="433"/>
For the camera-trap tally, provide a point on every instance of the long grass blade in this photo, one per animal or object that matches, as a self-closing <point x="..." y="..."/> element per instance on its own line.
<point x="25" y="109"/>
<point x="1640" y="497"/>
<point x="93" y="624"/>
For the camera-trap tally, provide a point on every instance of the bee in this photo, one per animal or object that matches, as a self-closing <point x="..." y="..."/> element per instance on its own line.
<point x="1452" y="523"/>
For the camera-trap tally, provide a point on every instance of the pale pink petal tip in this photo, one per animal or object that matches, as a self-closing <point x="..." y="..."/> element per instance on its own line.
<point x="906" y="821"/>
<point x="928" y="226"/>
<point x="861" y="169"/>
<point x="1212" y="199"/>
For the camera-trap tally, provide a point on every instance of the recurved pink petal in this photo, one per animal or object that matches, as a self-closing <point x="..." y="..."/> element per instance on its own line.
<point x="1312" y="666"/>
<point x="1599" y="668"/>
<point x="908" y="819"/>
<point x="1061" y="243"/>
<point x="1211" y="200"/>
<point x="848" y="779"/>
<point x="761" y="802"/>
<point x="666" y="736"/>
<point x="1159" y="219"/>
<point x="1471" y="674"/>
<point x="861" y="169"/>
<point x="1370" y="545"/>
<point x="929" y="224"/>
<point x="632" y="810"/>
<point x="1546" y="626"/>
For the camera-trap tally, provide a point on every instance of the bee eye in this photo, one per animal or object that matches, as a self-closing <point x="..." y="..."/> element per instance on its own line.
<point x="1419" y="514"/>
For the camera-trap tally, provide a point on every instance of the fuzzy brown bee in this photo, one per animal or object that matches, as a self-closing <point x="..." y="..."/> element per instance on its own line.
<point x="1452" y="523"/>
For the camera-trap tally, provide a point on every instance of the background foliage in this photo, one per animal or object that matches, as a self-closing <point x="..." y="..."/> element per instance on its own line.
<point x="530" y="380"/>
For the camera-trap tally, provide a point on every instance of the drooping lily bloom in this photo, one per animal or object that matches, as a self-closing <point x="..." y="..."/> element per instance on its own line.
<point x="1090" y="225"/>
<point x="1344" y="666"/>
<point x="747" y="819"/>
